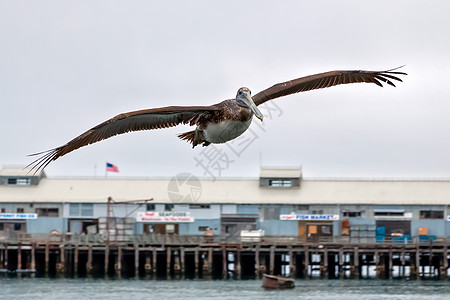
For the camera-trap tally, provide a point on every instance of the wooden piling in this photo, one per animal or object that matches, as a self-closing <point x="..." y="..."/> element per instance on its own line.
<point x="272" y="260"/>
<point x="106" y="260"/>
<point x="154" y="261"/>
<point x="224" y="263"/>
<point x="196" y="261"/>
<point x="119" y="261"/>
<point x="257" y="263"/>
<point x="136" y="260"/>
<point x="377" y="264"/>
<point x="61" y="258"/>
<point x="210" y="260"/>
<point x="418" y="272"/>
<point x="75" y="260"/>
<point x="390" y="264"/>
<point x="182" y="256"/>
<point x="47" y="258"/>
<point x="89" y="261"/>
<point x="33" y="256"/>
<point x="19" y="256"/>
<point x="169" y="260"/>
<point x="341" y="262"/>
<point x="324" y="267"/>
<point x="403" y="261"/>
<point x="306" y="266"/>
<point x="291" y="263"/>
<point x="444" y="259"/>
<point x="5" y="265"/>
<point x="430" y="258"/>
<point x="238" y="264"/>
<point x="356" y="262"/>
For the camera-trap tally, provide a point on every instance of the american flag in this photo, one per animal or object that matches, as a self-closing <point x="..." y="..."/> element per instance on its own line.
<point x="111" y="168"/>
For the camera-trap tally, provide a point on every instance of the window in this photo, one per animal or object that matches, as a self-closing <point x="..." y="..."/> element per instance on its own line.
<point x="170" y="228"/>
<point x="20" y="210"/>
<point x="303" y="207"/>
<point x="197" y="206"/>
<point x="326" y="229"/>
<point x="280" y="182"/>
<point x="389" y="214"/>
<point x="81" y="210"/>
<point x="3" y="210"/>
<point x="431" y="214"/>
<point x="351" y="214"/>
<point x="2" y="226"/>
<point x="19" y="181"/>
<point x="150" y="207"/>
<point x="17" y="226"/>
<point x="47" y="212"/>
<point x="202" y="228"/>
<point x="169" y="207"/>
<point x="271" y="213"/>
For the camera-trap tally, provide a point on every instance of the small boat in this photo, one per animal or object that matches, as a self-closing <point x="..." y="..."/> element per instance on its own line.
<point x="277" y="282"/>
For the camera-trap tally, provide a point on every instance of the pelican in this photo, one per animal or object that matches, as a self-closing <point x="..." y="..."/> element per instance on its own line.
<point x="218" y="123"/>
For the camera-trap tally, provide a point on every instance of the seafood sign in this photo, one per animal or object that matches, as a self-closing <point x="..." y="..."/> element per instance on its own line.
<point x="164" y="217"/>
<point x="307" y="217"/>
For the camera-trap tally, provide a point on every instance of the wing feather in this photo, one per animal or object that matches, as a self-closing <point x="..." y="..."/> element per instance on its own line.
<point x="146" y="119"/>
<point x="327" y="79"/>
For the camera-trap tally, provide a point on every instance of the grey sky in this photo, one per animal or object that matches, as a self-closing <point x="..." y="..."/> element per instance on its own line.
<point x="66" y="66"/>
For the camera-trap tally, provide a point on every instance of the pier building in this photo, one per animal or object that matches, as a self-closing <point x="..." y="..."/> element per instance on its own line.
<point x="285" y="223"/>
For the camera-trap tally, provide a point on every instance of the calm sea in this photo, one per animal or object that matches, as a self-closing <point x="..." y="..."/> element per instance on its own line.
<point x="132" y="289"/>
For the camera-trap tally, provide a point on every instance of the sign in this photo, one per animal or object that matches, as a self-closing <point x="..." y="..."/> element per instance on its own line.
<point x="17" y="216"/>
<point x="164" y="217"/>
<point x="306" y="217"/>
<point x="448" y="218"/>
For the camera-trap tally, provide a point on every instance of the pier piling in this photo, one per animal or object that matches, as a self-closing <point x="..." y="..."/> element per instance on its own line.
<point x="309" y="259"/>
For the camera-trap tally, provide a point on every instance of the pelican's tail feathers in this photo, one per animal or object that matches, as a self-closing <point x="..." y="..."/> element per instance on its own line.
<point x="195" y="137"/>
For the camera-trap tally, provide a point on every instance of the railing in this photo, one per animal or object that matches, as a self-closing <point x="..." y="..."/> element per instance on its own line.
<point x="69" y="238"/>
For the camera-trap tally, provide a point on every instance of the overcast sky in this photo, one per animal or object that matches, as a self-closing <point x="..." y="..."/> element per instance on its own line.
<point x="66" y="66"/>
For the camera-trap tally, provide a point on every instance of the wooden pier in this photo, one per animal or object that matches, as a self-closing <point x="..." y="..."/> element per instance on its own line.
<point x="156" y="256"/>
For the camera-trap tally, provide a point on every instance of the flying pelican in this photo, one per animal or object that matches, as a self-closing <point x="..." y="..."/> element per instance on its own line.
<point x="217" y="123"/>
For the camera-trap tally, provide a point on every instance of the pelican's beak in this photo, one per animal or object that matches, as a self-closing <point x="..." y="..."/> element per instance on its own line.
<point x="249" y="101"/>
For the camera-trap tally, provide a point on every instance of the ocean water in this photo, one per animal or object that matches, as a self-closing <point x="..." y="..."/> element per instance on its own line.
<point x="131" y="289"/>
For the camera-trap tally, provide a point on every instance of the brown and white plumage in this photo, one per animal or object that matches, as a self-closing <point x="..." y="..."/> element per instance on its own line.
<point x="217" y="123"/>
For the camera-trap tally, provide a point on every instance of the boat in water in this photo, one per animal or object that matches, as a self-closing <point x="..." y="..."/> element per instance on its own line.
<point x="277" y="282"/>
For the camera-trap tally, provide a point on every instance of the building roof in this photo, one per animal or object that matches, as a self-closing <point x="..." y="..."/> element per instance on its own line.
<point x="18" y="171"/>
<point x="284" y="172"/>
<point x="233" y="191"/>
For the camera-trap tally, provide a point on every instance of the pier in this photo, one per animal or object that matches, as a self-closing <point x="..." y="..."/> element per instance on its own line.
<point x="179" y="257"/>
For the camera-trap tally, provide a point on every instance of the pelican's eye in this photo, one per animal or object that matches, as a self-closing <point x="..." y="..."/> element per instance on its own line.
<point x="240" y="92"/>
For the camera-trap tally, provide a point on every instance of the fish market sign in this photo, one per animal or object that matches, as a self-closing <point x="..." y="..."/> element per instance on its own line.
<point x="17" y="216"/>
<point x="164" y="217"/>
<point x="306" y="217"/>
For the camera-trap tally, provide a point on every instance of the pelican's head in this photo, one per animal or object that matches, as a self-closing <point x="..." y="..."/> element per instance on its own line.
<point x="243" y="98"/>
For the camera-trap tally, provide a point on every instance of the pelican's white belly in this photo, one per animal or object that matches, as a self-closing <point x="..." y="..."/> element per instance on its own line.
<point x="225" y="131"/>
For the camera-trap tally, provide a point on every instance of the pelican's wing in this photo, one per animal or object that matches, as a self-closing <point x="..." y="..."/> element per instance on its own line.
<point x="146" y="119"/>
<point x="323" y="80"/>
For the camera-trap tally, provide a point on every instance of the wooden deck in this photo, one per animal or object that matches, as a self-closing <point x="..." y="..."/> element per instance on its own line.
<point x="223" y="257"/>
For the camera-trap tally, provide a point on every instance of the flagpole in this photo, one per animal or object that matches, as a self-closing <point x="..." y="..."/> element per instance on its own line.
<point x="106" y="170"/>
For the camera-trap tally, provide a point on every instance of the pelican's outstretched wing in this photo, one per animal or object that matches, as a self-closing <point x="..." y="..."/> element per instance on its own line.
<point x="146" y="119"/>
<point x="323" y="80"/>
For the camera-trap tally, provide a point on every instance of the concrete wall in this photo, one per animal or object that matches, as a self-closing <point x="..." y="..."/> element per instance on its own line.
<point x="277" y="227"/>
<point x="435" y="227"/>
<point x="45" y="225"/>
